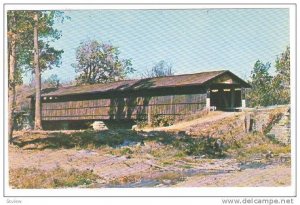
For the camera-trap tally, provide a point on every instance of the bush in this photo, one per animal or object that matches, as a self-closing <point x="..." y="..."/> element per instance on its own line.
<point x="141" y="123"/>
<point x="200" y="146"/>
<point x="162" y="120"/>
<point x="126" y="151"/>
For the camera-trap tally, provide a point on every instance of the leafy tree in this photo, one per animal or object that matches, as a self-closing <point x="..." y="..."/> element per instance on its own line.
<point x="49" y="57"/>
<point x="20" y="36"/>
<point x="99" y="62"/>
<point x="162" y="68"/>
<point x="281" y="82"/>
<point x="261" y="82"/>
<point x="52" y="81"/>
<point x="21" y="26"/>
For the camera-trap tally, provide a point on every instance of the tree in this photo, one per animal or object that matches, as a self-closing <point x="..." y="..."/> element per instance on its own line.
<point x="21" y="27"/>
<point x="11" y="75"/>
<point x="52" y="81"/>
<point x="38" y="110"/>
<point x="99" y="62"/>
<point x="47" y="56"/>
<point x="17" y="32"/>
<point x="162" y="68"/>
<point x="261" y="92"/>
<point x="281" y="82"/>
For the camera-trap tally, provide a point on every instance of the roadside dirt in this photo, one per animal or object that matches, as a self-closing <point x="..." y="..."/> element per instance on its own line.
<point x="207" y="119"/>
<point x="269" y="176"/>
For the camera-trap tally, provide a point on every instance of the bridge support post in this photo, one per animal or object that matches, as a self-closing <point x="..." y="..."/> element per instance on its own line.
<point x="208" y="100"/>
<point x="243" y="97"/>
<point x="149" y="115"/>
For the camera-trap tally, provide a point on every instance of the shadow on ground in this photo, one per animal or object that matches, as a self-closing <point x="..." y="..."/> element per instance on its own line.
<point x="118" y="138"/>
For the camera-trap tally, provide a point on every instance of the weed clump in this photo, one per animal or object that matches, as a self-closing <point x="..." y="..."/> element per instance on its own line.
<point x="162" y="120"/>
<point x="200" y="146"/>
<point x="29" y="178"/>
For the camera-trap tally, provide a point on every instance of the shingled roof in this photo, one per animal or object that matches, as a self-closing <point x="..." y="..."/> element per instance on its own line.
<point x="144" y="84"/>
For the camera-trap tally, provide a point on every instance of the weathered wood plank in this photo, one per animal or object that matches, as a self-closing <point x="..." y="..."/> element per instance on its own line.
<point x="123" y="108"/>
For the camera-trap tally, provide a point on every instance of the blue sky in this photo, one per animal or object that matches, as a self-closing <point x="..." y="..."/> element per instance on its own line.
<point x="191" y="40"/>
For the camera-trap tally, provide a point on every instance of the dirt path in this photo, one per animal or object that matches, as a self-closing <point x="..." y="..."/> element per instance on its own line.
<point x="147" y="171"/>
<point x="274" y="175"/>
<point x="105" y="165"/>
<point x="211" y="117"/>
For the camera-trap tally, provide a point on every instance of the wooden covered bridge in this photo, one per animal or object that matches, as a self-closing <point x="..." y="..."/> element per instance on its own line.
<point x="177" y="96"/>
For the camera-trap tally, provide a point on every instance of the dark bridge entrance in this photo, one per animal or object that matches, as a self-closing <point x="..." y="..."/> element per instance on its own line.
<point x="226" y="98"/>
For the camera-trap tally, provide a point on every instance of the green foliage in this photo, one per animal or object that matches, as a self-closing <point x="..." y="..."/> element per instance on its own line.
<point x="281" y="82"/>
<point x="200" y="146"/>
<point x="99" y="62"/>
<point x="21" y="24"/>
<point x="162" y="120"/>
<point x="126" y="151"/>
<point x="266" y="89"/>
<point x="141" y="123"/>
<point x="261" y="82"/>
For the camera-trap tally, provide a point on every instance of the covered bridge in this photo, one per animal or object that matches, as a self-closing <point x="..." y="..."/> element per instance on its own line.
<point x="177" y="95"/>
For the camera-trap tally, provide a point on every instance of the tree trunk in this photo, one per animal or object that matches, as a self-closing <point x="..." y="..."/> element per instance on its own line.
<point x="37" y="121"/>
<point x="11" y="85"/>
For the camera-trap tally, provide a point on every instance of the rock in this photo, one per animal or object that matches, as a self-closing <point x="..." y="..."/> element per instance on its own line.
<point x="41" y="146"/>
<point x="30" y="146"/>
<point x="269" y="155"/>
<point x="134" y="127"/>
<point x="101" y="181"/>
<point x="285" y="157"/>
<point x="99" y="125"/>
<point x="167" y="181"/>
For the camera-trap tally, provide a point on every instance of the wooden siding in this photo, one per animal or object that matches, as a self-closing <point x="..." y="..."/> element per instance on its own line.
<point x="123" y="108"/>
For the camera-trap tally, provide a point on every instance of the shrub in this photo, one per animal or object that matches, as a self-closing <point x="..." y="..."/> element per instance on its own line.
<point x="126" y="151"/>
<point x="141" y="123"/>
<point x="200" y="146"/>
<point x="162" y="120"/>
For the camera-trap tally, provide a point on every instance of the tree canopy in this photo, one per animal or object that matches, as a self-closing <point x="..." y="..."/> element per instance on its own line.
<point x="21" y="24"/>
<point x="267" y="89"/>
<point x="29" y="36"/>
<point x="99" y="62"/>
<point x="162" y="68"/>
<point x="261" y="85"/>
<point x="281" y="82"/>
<point x="52" y="81"/>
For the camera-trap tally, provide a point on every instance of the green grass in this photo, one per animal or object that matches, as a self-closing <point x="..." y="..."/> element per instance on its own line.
<point x="257" y="145"/>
